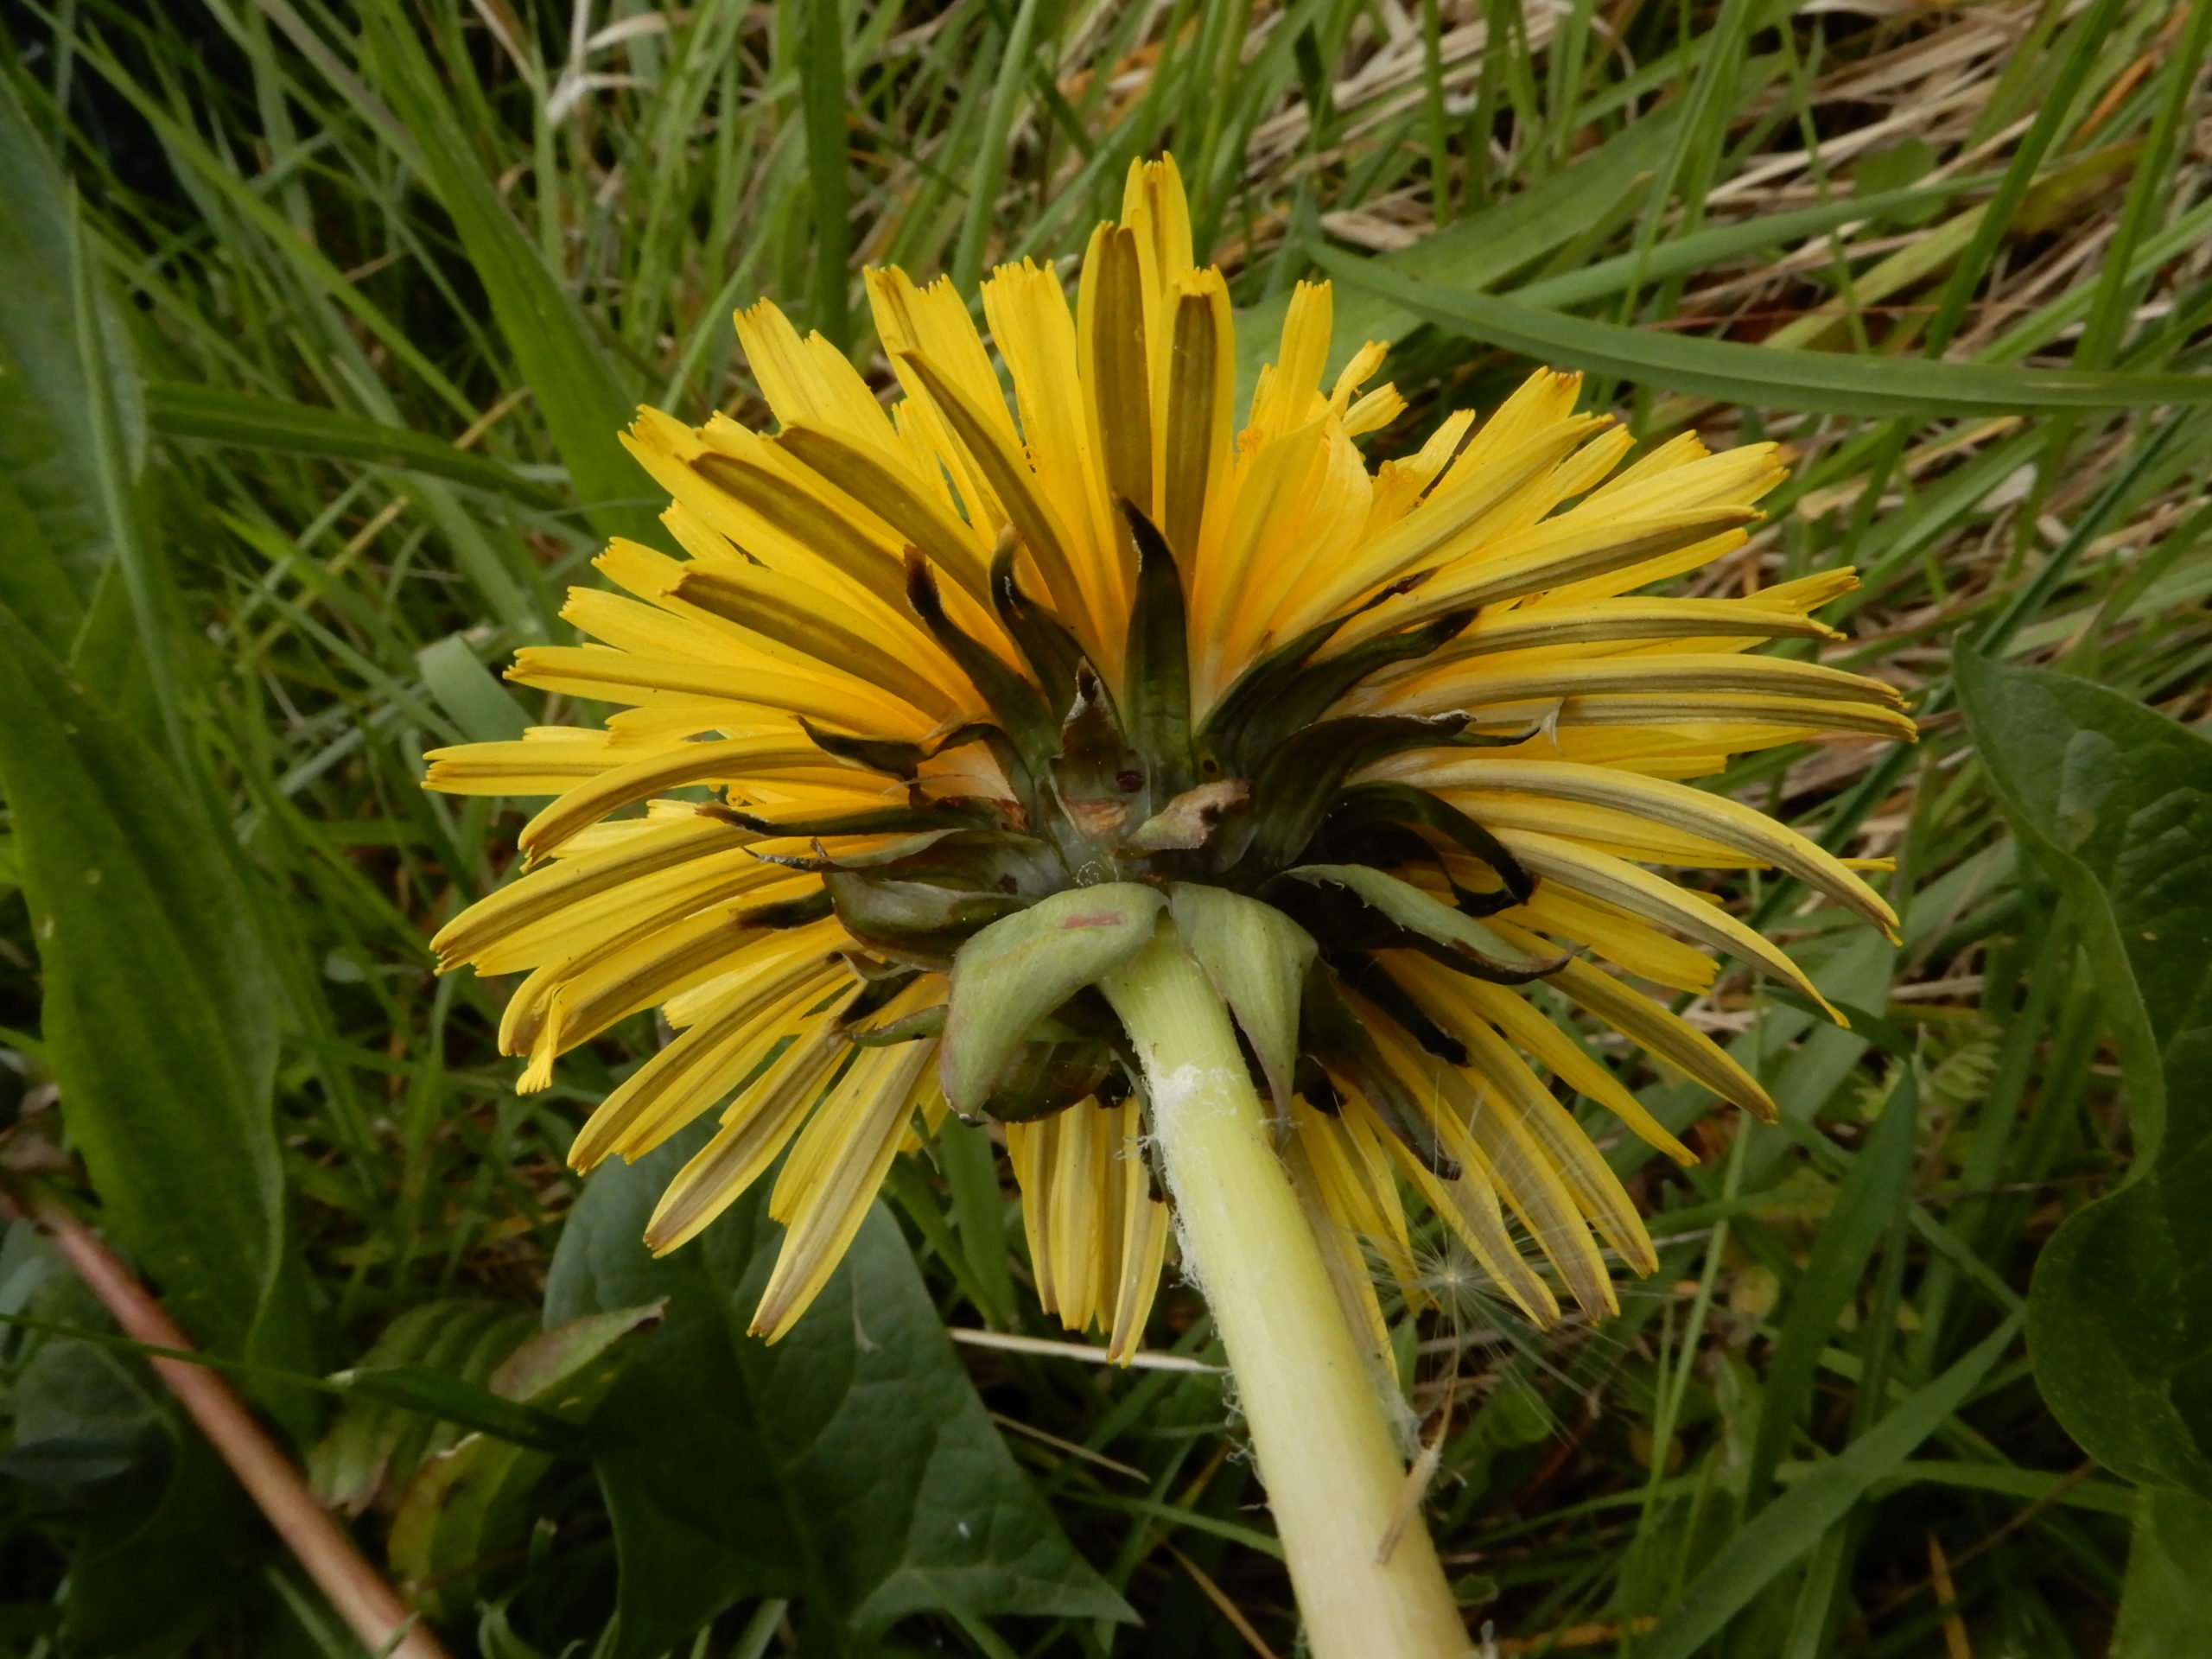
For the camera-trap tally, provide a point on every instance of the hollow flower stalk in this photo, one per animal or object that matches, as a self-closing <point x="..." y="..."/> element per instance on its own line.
<point x="1189" y="797"/>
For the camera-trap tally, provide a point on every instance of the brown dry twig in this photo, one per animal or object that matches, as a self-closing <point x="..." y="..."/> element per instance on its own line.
<point x="373" y="1610"/>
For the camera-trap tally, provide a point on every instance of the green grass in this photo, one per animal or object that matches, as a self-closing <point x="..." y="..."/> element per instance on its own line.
<point x="338" y="241"/>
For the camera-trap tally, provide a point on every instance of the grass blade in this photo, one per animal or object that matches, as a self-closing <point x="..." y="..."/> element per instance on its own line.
<point x="1480" y="249"/>
<point x="584" y="405"/>
<point x="1866" y="1206"/>
<point x="1819" y="382"/>
<point x="214" y="416"/>
<point x="822" y="76"/>
<point x="1796" y="1521"/>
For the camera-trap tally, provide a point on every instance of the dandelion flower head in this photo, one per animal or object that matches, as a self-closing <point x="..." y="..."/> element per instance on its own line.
<point x="934" y="675"/>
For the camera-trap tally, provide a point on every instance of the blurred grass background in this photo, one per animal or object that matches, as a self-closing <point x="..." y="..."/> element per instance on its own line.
<point x="322" y="317"/>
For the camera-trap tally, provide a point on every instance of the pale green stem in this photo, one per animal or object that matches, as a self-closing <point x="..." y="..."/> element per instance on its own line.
<point x="1326" y="1452"/>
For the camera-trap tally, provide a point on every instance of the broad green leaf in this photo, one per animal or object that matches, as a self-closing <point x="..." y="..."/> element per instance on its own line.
<point x="55" y="377"/>
<point x="72" y="442"/>
<point x="1754" y="1557"/>
<point x="214" y="416"/>
<point x="163" y="1552"/>
<point x="2116" y="802"/>
<point x="2165" y="1605"/>
<point x="81" y="1412"/>
<point x="466" y="1512"/>
<point x="1827" y="382"/>
<point x="585" y="406"/>
<point x="35" y="580"/>
<point x="82" y="1417"/>
<point x="850" y="1464"/>
<point x="160" y="1009"/>
<point x="1017" y="970"/>
<point x="1255" y="957"/>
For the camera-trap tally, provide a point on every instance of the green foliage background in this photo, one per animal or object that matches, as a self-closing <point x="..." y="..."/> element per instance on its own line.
<point x="317" y="321"/>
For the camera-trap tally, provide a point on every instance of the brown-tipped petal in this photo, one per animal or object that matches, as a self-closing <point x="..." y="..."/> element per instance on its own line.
<point x="1555" y="553"/>
<point x="704" y="1062"/>
<point x="673" y="767"/>
<point x="541" y="894"/>
<point x="1657" y="900"/>
<point x="896" y="497"/>
<point x="993" y="452"/>
<point x="753" y="1132"/>
<point x="1699" y="811"/>
<point x="1648" y="673"/>
<point x="1677" y="1042"/>
<point x="875" y="1102"/>
<point x="1626" y="621"/>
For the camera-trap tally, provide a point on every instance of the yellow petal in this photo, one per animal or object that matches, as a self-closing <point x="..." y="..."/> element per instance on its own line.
<point x="1664" y="1035"/>
<point x="1340" y="1253"/>
<point x="1616" y="881"/>
<point x="1544" y="556"/>
<point x="879" y="1098"/>
<point x="1554" y="1135"/>
<point x="547" y="760"/>
<point x="1472" y="509"/>
<point x="1699" y="811"/>
<point x="1145" y="1225"/>
<point x="1117" y="368"/>
<point x="1514" y="1016"/>
<point x="1287" y="394"/>
<point x="571" y="881"/>
<point x="1469" y="1206"/>
<point x="1627" y="941"/>
<point x="808" y="379"/>
<point x="754" y="1131"/>
<point x="680" y="763"/>
<point x="1200" y="391"/>
<point x="643" y="964"/>
<point x="708" y="1059"/>
<point x="1036" y="337"/>
<point x="998" y="459"/>
<point x="934" y="322"/>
